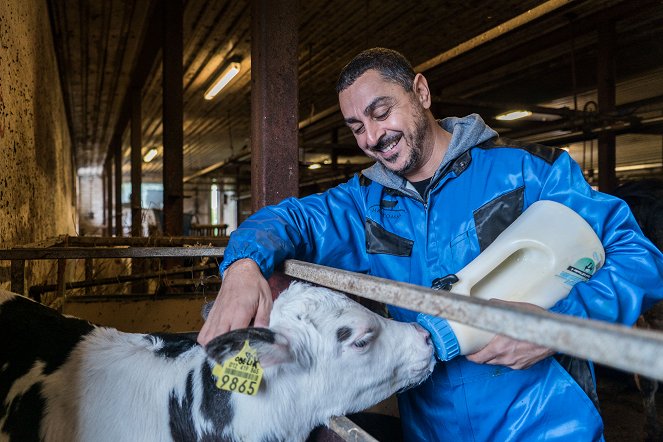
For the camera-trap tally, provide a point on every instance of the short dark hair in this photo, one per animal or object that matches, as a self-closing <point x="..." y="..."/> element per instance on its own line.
<point x="391" y="65"/>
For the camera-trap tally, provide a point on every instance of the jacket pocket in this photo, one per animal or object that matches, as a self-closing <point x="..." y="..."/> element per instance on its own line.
<point x="496" y="215"/>
<point x="464" y="247"/>
<point x="379" y="240"/>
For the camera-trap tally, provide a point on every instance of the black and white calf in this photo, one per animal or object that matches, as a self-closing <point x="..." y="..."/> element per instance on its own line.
<point x="63" y="379"/>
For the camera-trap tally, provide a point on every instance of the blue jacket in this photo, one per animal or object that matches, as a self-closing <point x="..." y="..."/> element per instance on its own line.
<point x="377" y="223"/>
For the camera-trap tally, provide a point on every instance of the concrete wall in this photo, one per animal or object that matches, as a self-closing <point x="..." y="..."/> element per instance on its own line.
<point x="37" y="190"/>
<point x="140" y="315"/>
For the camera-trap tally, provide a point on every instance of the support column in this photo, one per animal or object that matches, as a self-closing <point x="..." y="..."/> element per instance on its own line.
<point x="117" y="156"/>
<point x="136" y="163"/>
<point x="109" y="197"/>
<point x="173" y="133"/>
<point x="138" y="266"/>
<point x="274" y="102"/>
<point x="606" y="100"/>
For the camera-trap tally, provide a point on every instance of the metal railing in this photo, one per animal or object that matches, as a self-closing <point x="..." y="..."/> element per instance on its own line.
<point x="617" y="346"/>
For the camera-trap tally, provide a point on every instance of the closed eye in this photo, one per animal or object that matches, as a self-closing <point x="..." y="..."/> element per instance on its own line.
<point x="382" y="115"/>
<point x="358" y="130"/>
<point x="361" y="343"/>
<point x="364" y="340"/>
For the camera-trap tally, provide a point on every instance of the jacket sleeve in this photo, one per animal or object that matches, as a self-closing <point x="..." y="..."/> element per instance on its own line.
<point x="325" y="228"/>
<point x="630" y="280"/>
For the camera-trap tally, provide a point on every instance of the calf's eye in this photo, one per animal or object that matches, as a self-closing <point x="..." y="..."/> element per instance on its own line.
<point x="361" y="343"/>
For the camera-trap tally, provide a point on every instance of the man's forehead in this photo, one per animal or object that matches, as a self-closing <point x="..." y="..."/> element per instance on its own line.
<point x="372" y="80"/>
<point x="369" y="90"/>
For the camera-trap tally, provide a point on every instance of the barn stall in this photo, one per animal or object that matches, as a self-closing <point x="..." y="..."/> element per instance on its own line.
<point x="90" y="88"/>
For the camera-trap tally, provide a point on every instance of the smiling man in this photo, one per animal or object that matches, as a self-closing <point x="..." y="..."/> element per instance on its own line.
<point x="439" y="193"/>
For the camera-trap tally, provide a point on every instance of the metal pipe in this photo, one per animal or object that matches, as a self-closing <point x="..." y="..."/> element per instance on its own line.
<point x="111" y="252"/>
<point x="613" y="345"/>
<point x="44" y="288"/>
<point x="349" y="431"/>
<point x="492" y="34"/>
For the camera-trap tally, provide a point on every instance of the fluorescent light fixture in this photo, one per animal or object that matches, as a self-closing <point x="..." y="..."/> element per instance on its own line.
<point x="513" y="115"/>
<point x="314" y="166"/>
<point x="222" y="80"/>
<point x="150" y="154"/>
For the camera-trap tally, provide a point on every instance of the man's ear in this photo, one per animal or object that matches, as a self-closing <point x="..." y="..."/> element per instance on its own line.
<point x="421" y="90"/>
<point x="271" y="348"/>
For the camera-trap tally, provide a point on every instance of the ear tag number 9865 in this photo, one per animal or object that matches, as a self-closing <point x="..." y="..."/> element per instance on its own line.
<point x="241" y="373"/>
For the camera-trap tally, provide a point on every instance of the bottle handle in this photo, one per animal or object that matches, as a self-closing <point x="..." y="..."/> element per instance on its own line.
<point x="487" y="261"/>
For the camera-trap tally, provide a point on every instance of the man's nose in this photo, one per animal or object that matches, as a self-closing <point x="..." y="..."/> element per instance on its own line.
<point x="374" y="132"/>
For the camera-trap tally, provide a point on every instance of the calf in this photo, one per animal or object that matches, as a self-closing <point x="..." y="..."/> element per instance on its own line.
<point x="63" y="379"/>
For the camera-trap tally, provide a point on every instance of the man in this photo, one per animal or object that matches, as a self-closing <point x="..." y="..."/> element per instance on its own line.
<point x="439" y="194"/>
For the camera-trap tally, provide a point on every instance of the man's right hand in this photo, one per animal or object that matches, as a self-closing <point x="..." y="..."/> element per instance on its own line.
<point x="244" y="295"/>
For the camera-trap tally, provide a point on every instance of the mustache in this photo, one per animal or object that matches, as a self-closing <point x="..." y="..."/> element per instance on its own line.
<point x="385" y="141"/>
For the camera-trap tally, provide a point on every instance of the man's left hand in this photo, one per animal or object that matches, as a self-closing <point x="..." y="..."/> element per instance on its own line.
<point x="503" y="350"/>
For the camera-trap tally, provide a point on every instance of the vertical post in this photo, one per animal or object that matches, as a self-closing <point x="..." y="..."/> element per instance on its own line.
<point x="136" y="163"/>
<point x="274" y="102"/>
<point x="109" y="198"/>
<point x="89" y="273"/>
<point x="118" y="189"/>
<point x="173" y="134"/>
<point x="606" y="102"/>
<point x="17" y="284"/>
<point x="61" y="281"/>
<point x="137" y="265"/>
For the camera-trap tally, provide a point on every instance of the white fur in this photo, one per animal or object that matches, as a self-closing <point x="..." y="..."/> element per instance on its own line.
<point x="113" y="387"/>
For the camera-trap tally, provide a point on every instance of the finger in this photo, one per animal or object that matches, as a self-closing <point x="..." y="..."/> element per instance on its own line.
<point x="262" y="315"/>
<point x="239" y="321"/>
<point x="481" y="357"/>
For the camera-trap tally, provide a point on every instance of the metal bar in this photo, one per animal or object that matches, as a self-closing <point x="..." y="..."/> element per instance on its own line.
<point x="172" y="241"/>
<point x="109" y="198"/>
<point x="17" y="276"/>
<point x="89" y="272"/>
<point x="112" y="252"/>
<point x="274" y="102"/>
<point x="117" y="183"/>
<point x="617" y="346"/>
<point x="39" y="289"/>
<point x="173" y="117"/>
<point x="349" y="431"/>
<point x="136" y="162"/>
<point x="606" y="73"/>
<point x="62" y="268"/>
<point x="216" y="166"/>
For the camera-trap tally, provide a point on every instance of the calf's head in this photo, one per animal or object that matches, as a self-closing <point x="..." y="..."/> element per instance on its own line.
<point x="329" y="354"/>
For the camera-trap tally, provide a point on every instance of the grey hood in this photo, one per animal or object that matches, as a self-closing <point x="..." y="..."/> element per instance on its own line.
<point x="466" y="132"/>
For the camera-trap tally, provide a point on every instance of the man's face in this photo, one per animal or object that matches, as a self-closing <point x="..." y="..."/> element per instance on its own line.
<point x="388" y="122"/>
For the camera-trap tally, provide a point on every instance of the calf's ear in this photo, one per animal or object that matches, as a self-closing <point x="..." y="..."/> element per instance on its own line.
<point x="271" y="348"/>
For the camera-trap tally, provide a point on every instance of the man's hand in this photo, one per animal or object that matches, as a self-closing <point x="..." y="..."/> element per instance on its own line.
<point x="503" y="350"/>
<point x="244" y="295"/>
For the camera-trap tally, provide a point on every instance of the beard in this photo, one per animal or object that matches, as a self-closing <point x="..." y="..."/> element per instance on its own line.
<point x="416" y="142"/>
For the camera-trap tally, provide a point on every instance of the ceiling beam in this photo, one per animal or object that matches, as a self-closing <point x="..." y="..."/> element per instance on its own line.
<point x="147" y="55"/>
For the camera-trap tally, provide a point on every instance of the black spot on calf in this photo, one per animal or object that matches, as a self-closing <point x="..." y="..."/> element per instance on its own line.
<point x="30" y="333"/>
<point x="343" y="333"/>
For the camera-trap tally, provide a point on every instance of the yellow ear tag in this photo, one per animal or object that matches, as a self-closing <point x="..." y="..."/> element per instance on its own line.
<point x="241" y="373"/>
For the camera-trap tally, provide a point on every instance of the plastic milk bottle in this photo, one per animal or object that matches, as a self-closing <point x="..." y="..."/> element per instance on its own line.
<point x="537" y="259"/>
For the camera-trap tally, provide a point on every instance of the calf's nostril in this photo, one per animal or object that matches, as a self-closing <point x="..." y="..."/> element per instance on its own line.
<point x="422" y="331"/>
